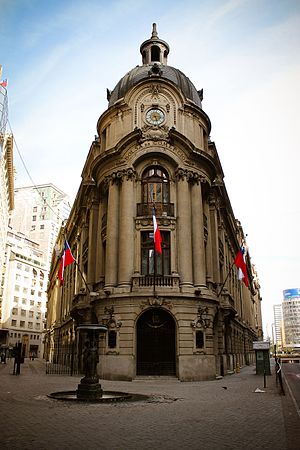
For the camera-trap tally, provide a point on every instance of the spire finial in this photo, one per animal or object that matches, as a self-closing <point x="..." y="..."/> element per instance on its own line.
<point x="154" y="31"/>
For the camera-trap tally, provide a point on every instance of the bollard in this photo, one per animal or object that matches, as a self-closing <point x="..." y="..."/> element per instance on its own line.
<point x="237" y="370"/>
<point x="265" y="379"/>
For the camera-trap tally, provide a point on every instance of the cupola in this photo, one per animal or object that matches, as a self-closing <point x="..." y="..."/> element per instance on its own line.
<point x="154" y="50"/>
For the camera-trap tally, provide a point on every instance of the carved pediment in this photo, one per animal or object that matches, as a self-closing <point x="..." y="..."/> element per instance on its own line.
<point x="154" y="133"/>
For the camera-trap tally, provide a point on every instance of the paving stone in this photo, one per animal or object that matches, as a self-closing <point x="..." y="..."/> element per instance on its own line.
<point x="191" y="415"/>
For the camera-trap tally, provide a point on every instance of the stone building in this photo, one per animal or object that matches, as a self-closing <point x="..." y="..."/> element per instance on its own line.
<point x="166" y="314"/>
<point x="24" y="299"/>
<point x="6" y="194"/>
<point x="39" y="212"/>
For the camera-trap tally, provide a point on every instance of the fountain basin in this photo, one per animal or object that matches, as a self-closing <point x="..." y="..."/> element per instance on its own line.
<point x="107" y="397"/>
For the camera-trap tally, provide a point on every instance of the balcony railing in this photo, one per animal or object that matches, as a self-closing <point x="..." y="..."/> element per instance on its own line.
<point x="167" y="282"/>
<point x="161" y="209"/>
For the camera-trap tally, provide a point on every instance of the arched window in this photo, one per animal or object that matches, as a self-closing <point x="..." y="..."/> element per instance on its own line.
<point x="155" y="185"/>
<point x="155" y="53"/>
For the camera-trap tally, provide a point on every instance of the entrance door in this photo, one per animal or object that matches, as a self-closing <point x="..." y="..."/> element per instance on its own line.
<point x="156" y="343"/>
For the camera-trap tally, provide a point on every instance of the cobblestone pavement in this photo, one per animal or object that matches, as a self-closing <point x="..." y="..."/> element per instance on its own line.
<point x="219" y="414"/>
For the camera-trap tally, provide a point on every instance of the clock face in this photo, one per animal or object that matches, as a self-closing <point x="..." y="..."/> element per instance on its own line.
<point x="155" y="116"/>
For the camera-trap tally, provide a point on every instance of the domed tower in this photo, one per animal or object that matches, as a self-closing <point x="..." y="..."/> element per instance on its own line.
<point x="167" y="312"/>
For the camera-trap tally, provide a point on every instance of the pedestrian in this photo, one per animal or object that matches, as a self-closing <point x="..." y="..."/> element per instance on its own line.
<point x="3" y="357"/>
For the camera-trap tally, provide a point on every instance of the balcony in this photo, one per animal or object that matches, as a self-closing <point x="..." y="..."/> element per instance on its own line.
<point x="165" y="283"/>
<point x="161" y="209"/>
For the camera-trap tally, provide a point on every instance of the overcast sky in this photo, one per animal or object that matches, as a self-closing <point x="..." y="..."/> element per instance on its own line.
<point x="60" y="56"/>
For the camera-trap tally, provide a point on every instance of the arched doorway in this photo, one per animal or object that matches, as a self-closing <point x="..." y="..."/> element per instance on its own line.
<point x="156" y="355"/>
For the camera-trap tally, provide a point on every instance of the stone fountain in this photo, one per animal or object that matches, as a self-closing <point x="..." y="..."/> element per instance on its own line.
<point x="89" y="389"/>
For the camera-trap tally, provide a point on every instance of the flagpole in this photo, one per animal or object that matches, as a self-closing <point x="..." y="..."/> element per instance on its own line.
<point x="77" y="265"/>
<point x="222" y="287"/>
<point x="154" y="258"/>
<point x="60" y="327"/>
<point x="81" y="274"/>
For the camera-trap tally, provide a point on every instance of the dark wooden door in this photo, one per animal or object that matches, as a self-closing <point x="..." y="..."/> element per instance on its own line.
<point x="156" y="343"/>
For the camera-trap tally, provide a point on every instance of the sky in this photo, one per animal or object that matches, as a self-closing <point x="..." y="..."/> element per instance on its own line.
<point x="60" y="56"/>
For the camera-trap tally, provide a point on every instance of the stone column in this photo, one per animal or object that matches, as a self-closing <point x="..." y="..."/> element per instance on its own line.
<point x="199" y="268"/>
<point x="111" y="260"/>
<point x="99" y="245"/>
<point x="184" y="231"/>
<point x="83" y="238"/>
<point x="93" y="227"/>
<point x="214" y="239"/>
<point x="208" y="253"/>
<point x="77" y="274"/>
<point x="126" y="231"/>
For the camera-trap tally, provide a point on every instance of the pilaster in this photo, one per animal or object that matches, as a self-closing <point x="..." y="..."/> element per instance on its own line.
<point x="184" y="239"/>
<point x="199" y="269"/>
<point x="214" y="238"/>
<point x="93" y="226"/>
<point x="126" y="231"/>
<point x="111" y="260"/>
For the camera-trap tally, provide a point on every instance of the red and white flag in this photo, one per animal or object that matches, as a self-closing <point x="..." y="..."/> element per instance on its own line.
<point x="240" y="262"/>
<point x="66" y="259"/>
<point x="156" y="235"/>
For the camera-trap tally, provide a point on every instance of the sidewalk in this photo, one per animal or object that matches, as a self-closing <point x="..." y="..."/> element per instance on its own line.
<point x="211" y="415"/>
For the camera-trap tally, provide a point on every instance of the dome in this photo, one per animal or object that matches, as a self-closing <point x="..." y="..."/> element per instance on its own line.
<point x="154" y="57"/>
<point x="156" y="71"/>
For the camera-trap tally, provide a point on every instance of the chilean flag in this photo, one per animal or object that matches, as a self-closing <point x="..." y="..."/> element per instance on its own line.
<point x="156" y="235"/>
<point x="66" y="259"/>
<point x="240" y="262"/>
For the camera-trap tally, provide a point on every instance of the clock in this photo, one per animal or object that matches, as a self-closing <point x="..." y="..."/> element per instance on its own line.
<point x="155" y="116"/>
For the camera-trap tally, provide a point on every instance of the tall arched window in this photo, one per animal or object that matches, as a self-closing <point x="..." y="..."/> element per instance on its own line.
<point x="155" y="191"/>
<point x="156" y="186"/>
<point x="155" y="53"/>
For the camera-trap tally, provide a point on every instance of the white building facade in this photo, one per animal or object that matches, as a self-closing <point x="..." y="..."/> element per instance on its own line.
<point x="34" y="226"/>
<point x="24" y="291"/>
<point x="6" y="194"/>
<point x="278" y="326"/>
<point x="39" y="213"/>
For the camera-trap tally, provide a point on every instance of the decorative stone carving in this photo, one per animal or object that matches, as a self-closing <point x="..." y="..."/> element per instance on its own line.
<point x="218" y="181"/>
<point x="213" y="200"/>
<point x="154" y="133"/>
<point x="155" y="70"/>
<point x="202" y="320"/>
<point x="156" y="302"/>
<point x="119" y="175"/>
<point x="190" y="176"/>
<point x="111" y="321"/>
<point x="148" y="222"/>
<point x="158" y="93"/>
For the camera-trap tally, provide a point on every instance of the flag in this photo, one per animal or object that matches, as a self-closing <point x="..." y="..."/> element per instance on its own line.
<point x="3" y="83"/>
<point x="66" y="259"/>
<point x="240" y="262"/>
<point x="156" y="235"/>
